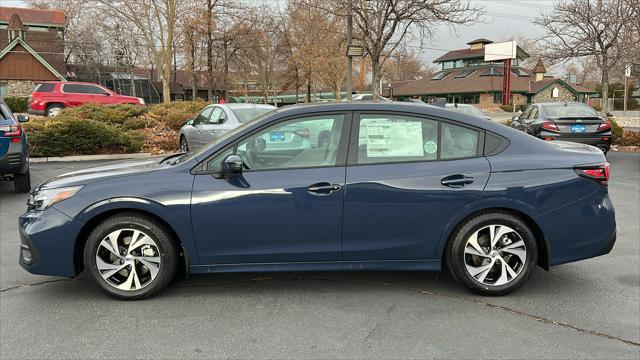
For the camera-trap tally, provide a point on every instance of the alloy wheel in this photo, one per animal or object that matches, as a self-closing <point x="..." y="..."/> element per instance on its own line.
<point x="183" y="145"/>
<point x="495" y="255"/>
<point x="54" y="111"/>
<point x="128" y="259"/>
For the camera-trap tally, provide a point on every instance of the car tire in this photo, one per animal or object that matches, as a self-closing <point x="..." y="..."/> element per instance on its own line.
<point x="53" y="110"/>
<point x="22" y="182"/>
<point x="492" y="270"/>
<point x="153" y="252"/>
<point x="184" y="145"/>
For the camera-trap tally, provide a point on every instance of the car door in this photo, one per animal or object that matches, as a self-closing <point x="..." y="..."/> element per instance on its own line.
<point x="286" y="206"/>
<point x="211" y="129"/>
<point x="195" y="135"/>
<point x="407" y="177"/>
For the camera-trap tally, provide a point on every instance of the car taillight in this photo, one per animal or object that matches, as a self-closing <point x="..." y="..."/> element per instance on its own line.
<point x="599" y="173"/>
<point x="605" y="125"/>
<point x="550" y="125"/>
<point x="303" y="132"/>
<point x="11" y="130"/>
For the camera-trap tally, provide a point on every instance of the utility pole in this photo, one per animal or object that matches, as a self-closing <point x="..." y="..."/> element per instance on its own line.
<point x="349" y="58"/>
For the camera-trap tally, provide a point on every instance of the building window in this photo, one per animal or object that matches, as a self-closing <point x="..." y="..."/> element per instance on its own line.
<point x="555" y="92"/>
<point x="465" y="73"/>
<point x="459" y="64"/>
<point x="492" y="72"/>
<point x="447" y="65"/>
<point x="3" y="89"/>
<point x="441" y="75"/>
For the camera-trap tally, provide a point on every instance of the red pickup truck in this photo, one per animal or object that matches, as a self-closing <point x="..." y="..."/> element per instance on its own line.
<point x="48" y="98"/>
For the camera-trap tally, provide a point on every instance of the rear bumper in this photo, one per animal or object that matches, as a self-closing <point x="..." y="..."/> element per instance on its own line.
<point x="600" y="140"/>
<point x="13" y="163"/>
<point x="587" y="229"/>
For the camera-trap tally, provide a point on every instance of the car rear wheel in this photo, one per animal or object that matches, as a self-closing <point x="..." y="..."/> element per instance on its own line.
<point x="53" y="110"/>
<point x="184" y="146"/>
<point x="492" y="253"/>
<point x="22" y="182"/>
<point x="130" y="256"/>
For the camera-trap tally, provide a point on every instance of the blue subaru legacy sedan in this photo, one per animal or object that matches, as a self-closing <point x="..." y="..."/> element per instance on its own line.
<point x="392" y="186"/>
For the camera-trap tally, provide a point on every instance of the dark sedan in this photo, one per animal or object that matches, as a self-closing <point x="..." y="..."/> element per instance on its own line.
<point x="396" y="186"/>
<point x="569" y="121"/>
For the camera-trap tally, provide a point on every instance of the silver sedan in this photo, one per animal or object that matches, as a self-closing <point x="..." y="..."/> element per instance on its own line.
<point x="215" y="120"/>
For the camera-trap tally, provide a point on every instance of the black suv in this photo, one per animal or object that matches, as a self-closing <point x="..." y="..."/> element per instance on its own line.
<point x="14" y="152"/>
<point x="568" y="121"/>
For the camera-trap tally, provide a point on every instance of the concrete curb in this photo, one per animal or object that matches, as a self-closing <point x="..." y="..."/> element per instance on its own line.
<point x="90" y="157"/>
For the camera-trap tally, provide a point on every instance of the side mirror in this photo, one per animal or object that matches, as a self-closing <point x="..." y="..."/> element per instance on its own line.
<point x="189" y="122"/>
<point x="515" y="118"/>
<point x="232" y="164"/>
<point x="22" y="118"/>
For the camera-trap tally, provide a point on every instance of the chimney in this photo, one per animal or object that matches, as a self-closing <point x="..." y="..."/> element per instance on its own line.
<point x="16" y="28"/>
<point x="478" y="43"/>
<point x="539" y="71"/>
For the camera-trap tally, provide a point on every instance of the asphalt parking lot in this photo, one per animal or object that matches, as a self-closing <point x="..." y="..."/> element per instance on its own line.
<point x="589" y="309"/>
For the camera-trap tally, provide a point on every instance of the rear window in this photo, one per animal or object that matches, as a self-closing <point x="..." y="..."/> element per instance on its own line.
<point x="246" y="115"/>
<point x="561" y="110"/>
<point x="44" y="88"/>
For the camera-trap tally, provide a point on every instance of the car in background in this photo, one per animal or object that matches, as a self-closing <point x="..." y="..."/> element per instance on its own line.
<point x="49" y="98"/>
<point x="216" y="120"/>
<point x="367" y="97"/>
<point x="425" y="189"/>
<point x="467" y="109"/>
<point x="14" y="151"/>
<point x="568" y="121"/>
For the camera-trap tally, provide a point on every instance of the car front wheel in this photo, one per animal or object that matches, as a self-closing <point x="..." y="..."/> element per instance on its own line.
<point x="131" y="256"/>
<point x="492" y="253"/>
<point x="184" y="146"/>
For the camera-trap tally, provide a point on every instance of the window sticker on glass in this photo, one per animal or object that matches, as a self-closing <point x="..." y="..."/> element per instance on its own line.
<point x="430" y="147"/>
<point x="389" y="138"/>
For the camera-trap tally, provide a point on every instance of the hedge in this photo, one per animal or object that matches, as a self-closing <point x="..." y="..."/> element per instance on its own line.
<point x="17" y="104"/>
<point x="73" y="136"/>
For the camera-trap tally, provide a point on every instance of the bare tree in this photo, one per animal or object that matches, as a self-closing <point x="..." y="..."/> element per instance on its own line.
<point x="404" y="65"/>
<point x="586" y="28"/>
<point x="381" y="25"/>
<point x="155" y="21"/>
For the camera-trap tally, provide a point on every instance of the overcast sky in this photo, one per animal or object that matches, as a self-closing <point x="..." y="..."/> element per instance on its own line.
<point x="503" y="18"/>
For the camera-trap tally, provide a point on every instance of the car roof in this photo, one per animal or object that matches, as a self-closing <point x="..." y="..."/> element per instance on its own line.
<point x="234" y="106"/>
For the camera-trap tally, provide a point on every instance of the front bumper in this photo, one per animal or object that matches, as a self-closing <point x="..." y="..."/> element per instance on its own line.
<point x="47" y="242"/>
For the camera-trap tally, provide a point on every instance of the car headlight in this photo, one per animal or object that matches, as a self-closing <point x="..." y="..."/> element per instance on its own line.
<point x="45" y="198"/>
<point x="141" y="101"/>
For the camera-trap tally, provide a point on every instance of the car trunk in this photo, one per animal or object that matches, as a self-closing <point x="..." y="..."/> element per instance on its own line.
<point x="581" y="153"/>
<point x="577" y="125"/>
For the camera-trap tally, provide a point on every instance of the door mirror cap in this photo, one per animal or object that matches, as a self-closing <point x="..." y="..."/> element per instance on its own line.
<point x="189" y="122"/>
<point x="232" y="164"/>
<point x="22" y="118"/>
<point x="515" y="118"/>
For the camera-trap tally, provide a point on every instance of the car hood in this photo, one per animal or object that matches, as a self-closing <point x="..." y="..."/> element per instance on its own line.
<point x="91" y="175"/>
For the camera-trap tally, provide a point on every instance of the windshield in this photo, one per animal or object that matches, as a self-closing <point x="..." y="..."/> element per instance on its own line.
<point x="561" y="110"/>
<point x="246" y="115"/>
<point x="224" y="137"/>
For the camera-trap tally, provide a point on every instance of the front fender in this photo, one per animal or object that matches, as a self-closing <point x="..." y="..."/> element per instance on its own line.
<point x="176" y="217"/>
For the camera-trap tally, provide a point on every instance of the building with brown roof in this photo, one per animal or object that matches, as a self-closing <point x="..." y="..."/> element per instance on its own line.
<point x="31" y="49"/>
<point x="465" y="77"/>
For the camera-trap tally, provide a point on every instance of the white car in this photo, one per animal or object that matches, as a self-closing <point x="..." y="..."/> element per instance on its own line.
<point x="467" y="109"/>
<point x="367" y="97"/>
<point x="215" y="120"/>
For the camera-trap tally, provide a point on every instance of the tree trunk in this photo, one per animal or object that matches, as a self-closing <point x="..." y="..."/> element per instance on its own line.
<point x="375" y="74"/>
<point x="225" y="74"/>
<point x="132" y="80"/>
<point x="209" y="50"/>
<point x="309" y="88"/>
<point x="605" y="86"/>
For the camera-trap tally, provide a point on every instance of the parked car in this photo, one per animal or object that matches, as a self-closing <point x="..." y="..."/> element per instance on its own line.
<point x="48" y="98"/>
<point x="467" y="109"/>
<point x="216" y="120"/>
<point x="569" y="121"/>
<point x="425" y="187"/>
<point x="367" y="97"/>
<point x="14" y="151"/>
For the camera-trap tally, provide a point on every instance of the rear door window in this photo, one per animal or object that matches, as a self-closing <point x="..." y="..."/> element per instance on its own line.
<point x="83" y="89"/>
<point x="458" y="141"/>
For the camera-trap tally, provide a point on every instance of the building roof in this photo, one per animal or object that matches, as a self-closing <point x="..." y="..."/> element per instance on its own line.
<point x="480" y="41"/>
<point x="461" y="54"/>
<point x="15" y="23"/>
<point x="475" y="83"/>
<point x="33" y="16"/>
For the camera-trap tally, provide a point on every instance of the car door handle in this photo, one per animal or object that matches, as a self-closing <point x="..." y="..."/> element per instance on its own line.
<point x="323" y="188"/>
<point x="456" y="181"/>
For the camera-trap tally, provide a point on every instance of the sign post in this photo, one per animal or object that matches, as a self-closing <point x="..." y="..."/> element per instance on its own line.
<point x="505" y="51"/>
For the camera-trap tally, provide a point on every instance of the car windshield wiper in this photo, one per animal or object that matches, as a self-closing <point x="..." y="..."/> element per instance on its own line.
<point x="179" y="155"/>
